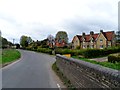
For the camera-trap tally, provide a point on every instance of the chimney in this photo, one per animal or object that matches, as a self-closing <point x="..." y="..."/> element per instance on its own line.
<point x="101" y="31"/>
<point x="83" y="34"/>
<point x="91" y="32"/>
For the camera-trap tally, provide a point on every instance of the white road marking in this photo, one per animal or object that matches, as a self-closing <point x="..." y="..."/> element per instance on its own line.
<point x="58" y="86"/>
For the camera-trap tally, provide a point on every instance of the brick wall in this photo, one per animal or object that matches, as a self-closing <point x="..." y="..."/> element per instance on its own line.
<point x="87" y="75"/>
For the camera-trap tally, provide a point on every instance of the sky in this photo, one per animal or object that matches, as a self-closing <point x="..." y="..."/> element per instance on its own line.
<point x="40" y="18"/>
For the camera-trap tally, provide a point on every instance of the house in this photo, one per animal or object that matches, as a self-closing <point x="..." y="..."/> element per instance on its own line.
<point x="60" y="43"/>
<point x="98" y="40"/>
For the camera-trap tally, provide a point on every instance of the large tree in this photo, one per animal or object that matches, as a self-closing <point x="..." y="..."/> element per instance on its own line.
<point x="62" y="35"/>
<point x="25" y="41"/>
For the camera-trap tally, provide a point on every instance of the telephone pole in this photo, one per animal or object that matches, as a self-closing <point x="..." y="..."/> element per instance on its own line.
<point x="13" y="41"/>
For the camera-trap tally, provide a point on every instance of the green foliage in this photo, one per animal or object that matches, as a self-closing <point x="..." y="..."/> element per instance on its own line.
<point x="62" y="35"/>
<point x="69" y="51"/>
<point x="44" y="50"/>
<point x="113" y="58"/>
<point x="118" y="36"/>
<point x="25" y="41"/>
<point x="92" y="53"/>
<point x="9" y="55"/>
<point x="88" y="53"/>
<point x="78" y="47"/>
<point x="4" y="42"/>
<point x="105" y="64"/>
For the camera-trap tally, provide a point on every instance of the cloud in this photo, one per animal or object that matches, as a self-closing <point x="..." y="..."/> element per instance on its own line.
<point x="39" y="18"/>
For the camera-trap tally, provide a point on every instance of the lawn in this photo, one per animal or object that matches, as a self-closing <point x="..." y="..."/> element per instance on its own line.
<point x="105" y="64"/>
<point x="10" y="55"/>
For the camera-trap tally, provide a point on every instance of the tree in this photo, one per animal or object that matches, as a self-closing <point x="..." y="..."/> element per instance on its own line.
<point x="62" y="35"/>
<point x="51" y="41"/>
<point x="118" y="36"/>
<point x="25" y="41"/>
<point x="44" y="43"/>
<point x="4" y="42"/>
<point x="17" y="46"/>
<point x="29" y="40"/>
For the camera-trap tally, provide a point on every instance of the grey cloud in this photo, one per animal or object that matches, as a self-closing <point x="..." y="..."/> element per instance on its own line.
<point x="78" y="25"/>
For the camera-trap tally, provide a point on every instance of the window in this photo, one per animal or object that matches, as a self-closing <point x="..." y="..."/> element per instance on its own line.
<point x="91" y="40"/>
<point x="92" y="46"/>
<point x="84" y="46"/>
<point x="108" y="45"/>
<point x="87" y="46"/>
<point x="101" y="46"/>
<point x="101" y="40"/>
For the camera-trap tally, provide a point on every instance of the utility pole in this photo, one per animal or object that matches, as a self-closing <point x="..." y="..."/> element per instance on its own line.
<point x="13" y="41"/>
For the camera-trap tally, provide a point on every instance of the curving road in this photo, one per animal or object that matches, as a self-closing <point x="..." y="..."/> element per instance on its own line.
<point x="33" y="70"/>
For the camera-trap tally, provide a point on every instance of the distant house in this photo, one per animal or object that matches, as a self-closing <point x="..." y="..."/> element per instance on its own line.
<point x="60" y="43"/>
<point x="98" y="40"/>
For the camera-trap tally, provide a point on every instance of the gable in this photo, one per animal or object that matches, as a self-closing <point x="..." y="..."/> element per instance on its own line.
<point x="101" y="35"/>
<point x="75" y="38"/>
<point x="108" y="35"/>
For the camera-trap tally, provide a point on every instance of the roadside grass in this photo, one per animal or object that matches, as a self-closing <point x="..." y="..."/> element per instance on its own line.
<point x="62" y="77"/>
<point x="105" y="64"/>
<point x="10" y="55"/>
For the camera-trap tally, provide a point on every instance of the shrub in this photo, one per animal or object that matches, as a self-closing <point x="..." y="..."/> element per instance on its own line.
<point x="44" y="50"/>
<point x="114" y="58"/>
<point x="29" y="48"/>
<point x="92" y="53"/>
<point x="69" y="51"/>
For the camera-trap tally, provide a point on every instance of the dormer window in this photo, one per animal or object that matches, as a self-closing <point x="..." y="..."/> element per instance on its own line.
<point x="101" y="40"/>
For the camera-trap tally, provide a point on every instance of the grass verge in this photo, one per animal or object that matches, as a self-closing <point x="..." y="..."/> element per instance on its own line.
<point x="105" y="64"/>
<point x="10" y="55"/>
<point x="62" y="77"/>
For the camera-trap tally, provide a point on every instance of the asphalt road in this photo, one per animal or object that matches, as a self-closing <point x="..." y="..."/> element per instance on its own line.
<point x="33" y="70"/>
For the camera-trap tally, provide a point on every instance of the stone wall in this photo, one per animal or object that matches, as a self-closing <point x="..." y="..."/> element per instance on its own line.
<point x="87" y="75"/>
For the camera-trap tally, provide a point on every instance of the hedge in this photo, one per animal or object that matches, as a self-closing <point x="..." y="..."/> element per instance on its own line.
<point x="114" y="58"/>
<point x="69" y="51"/>
<point x="92" y="53"/>
<point x="87" y="53"/>
<point x="45" y="50"/>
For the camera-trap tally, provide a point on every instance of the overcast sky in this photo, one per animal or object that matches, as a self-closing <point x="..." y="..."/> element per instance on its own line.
<point x="39" y="18"/>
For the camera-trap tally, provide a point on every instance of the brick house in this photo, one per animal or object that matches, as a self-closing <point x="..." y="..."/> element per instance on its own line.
<point x="60" y="43"/>
<point x="98" y="40"/>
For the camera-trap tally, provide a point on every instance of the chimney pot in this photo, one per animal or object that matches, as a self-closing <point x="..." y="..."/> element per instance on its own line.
<point x="83" y="34"/>
<point x="101" y="30"/>
<point x="91" y="32"/>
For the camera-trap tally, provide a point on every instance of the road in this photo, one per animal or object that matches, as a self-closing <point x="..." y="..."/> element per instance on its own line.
<point x="33" y="70"/>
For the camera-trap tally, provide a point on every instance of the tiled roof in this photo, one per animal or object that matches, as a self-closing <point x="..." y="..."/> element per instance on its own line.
<point x="95" y="36"/>
<point x="87" y="37"/>
<point x="79" y="37"/>
<point x="108" y="35"/>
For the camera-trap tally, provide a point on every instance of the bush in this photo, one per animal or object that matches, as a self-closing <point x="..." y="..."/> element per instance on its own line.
<point x="29" y="48"/>
<point x="92" y="53"/>
<point x="114" y="58"/>
<point x="62" y="51"/>
<point x="44" y="50"/>
<point x="69" y="51"/>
